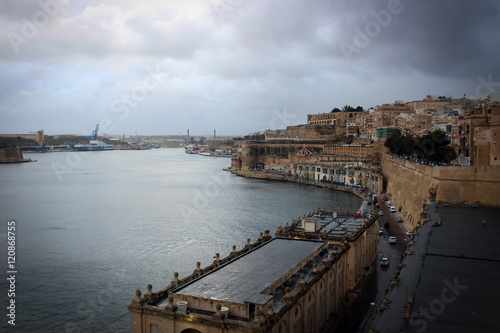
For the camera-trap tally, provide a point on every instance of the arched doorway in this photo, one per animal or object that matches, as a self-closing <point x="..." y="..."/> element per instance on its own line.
<point x="190" y="330"/>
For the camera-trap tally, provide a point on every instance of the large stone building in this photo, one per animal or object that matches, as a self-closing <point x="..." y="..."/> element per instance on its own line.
<point x="296" y="282"/>
<point x="475" y="136"/>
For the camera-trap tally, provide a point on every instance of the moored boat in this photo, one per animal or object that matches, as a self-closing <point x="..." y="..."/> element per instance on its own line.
<point x="192" y="149"/>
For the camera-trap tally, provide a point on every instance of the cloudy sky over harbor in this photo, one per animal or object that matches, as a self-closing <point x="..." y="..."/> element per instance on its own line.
<point x="238" y="66"/>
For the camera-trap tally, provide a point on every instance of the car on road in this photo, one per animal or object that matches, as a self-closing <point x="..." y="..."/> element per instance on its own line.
<point x="392" y="239"/>
<point x="400" y="220"/>
<point x="386" y="224"/>
<point x="385" y="198"/>
<point x="377" y="205"/>
<point x="380" y="213"/>
<point x="409" y="233"/>
<point x="393" y="210"/>
<point x="384" y="262"/>
<point x="381" y="231"/>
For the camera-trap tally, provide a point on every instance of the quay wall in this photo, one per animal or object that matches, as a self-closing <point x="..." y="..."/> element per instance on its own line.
<point x="410" y="185"/>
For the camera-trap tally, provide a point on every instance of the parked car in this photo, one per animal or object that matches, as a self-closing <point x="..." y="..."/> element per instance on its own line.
<point x="384" y="262"/>
<point x="392" y="240"/>
<point x="409" y="233"/>
<point x="400" y="220"/>
<point x="377" y="205"/>
<point x="381" y="231"/>
<point x="393" y="210"/>
<point x="380" y="213"/>
<point x="386" y="224"/>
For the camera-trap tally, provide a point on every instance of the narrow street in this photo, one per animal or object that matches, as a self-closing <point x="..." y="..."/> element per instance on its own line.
<point x="362" y="313"/>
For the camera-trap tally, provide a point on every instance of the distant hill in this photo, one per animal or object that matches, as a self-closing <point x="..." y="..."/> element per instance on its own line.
<point x="11" y="142"/>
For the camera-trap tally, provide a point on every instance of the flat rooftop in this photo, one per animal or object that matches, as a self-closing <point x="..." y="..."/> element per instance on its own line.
<point x="454" y="275"/>
<point x="338" y="226"/>
<point x="244" y="279"/>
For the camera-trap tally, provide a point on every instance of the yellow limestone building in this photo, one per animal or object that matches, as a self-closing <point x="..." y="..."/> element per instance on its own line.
<point x="282" y="284"/>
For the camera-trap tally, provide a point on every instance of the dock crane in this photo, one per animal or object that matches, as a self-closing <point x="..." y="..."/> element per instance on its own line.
<point x="93" y="136"/>
<point x="40" y="139"/>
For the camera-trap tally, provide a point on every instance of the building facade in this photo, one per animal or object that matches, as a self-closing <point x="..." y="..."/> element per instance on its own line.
<point x="295" y="282"/>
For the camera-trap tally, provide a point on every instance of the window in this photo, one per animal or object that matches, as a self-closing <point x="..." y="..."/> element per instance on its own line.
<point x="153" y="328"/>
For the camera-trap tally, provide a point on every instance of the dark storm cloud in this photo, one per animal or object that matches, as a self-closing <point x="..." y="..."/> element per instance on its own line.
<point x="233" y="64"/>
<point x="439" y="38"/>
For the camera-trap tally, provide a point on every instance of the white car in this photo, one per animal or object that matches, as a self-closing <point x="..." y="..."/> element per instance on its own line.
<point x="381" y="213"/>
<point x="384" y="262"/>
<point x="393" y="210"/>
<point x="392" y="239"/>
<point x="409" y="233"/>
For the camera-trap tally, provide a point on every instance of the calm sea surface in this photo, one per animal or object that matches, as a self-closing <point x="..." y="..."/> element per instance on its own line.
<point x="92" y="227"/>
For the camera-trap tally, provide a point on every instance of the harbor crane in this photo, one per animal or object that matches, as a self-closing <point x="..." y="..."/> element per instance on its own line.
<point x="93" y="136"/>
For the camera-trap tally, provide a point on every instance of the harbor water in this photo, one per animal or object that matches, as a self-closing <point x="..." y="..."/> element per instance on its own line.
<point x="92" y="227"/>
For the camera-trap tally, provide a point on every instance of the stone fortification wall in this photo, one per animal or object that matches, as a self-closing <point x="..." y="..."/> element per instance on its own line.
<point x="312" y="132"/>
<point x="468" y="184"/>
<point x="11" y="154"/>
<point x="410" y="185"/>
<point x="407" y="185"/>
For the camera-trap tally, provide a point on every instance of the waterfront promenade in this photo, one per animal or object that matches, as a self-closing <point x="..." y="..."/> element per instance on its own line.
<point x="272" y="175"/>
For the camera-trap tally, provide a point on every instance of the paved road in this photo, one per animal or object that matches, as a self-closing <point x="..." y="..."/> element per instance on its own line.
<point x="360" y="317"/>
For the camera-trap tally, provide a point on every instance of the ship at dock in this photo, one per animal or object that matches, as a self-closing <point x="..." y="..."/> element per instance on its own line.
<point x="94" y="143"/>
<point x="192" y="149"/>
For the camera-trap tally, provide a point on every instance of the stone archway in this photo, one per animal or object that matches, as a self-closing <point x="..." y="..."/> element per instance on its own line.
<point x="190" y="330"/>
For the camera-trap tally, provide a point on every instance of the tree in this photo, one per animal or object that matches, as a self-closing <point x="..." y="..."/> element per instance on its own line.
<point x="359" y="109"/>
<point x="348" y="108"/>
<point x="336" y="110"/>
<point x="433" y="147"/>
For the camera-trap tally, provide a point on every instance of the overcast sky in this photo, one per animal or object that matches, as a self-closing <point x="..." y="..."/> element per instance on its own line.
<point x="238" y="66"/>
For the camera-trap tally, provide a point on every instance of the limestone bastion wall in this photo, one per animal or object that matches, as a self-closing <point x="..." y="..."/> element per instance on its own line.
<point x="409" y="185"/>
<point x="468" y="184"/>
